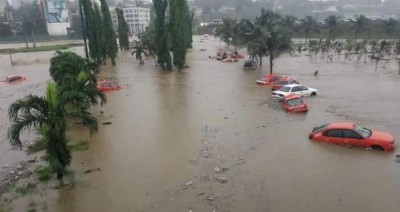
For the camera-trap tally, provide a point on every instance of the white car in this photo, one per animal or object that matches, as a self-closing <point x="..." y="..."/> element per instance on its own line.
<point x="294" y="89"/>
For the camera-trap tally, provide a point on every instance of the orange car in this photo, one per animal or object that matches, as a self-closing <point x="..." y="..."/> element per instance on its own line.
<point x="269" y="79"/>
<point x="352" y="134"/>
<point x="294" y="103"/>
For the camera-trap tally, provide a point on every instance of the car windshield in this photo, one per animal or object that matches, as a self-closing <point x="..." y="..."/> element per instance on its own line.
<point x="295" y="102"/>
<point x="285" y="89"/>
<point x="364" y="132"/>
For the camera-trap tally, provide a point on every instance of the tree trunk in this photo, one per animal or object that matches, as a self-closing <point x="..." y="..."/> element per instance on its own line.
<point x="26" y="42"/>
<point x="399" y="66"/>
<point x="33" y="40"/>
<point x="271" y="62"/>
<point x="260" y="61"/>
<point x="60" y="178"/>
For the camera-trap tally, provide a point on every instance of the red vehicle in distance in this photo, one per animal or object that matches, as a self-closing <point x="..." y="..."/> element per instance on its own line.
<point x="283" y="81"/>
<point x="294" y="103"/>
<point x="352" y="134"/>
<point x="269" y="79"/>
<point x="106" y="85"/>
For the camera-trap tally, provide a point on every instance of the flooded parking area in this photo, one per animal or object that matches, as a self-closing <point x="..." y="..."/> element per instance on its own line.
<point x="208" y="138"/>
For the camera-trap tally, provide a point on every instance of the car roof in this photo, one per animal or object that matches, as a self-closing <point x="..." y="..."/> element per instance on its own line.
<point x="292" y="96"/>
<point x="292" y="85"/>
<point x="342" y="125"/>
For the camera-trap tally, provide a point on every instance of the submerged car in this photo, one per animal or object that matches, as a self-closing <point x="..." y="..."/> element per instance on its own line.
<point x="106" y="85"/>
<point x="352" y="134"/>
<point x="14" y="78"/>
<point x="269" y="79"/>
<point x="294" y="89"/>
<point x="294" y="103"/>
<point x="276" y="85"/>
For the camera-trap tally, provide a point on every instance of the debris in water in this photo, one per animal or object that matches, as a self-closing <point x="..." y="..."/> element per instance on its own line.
<point x="107" y="123"/>
<point x="101" y="112"/>
<point x="202" y="193"/>
<point x="219" y="170"/>
<point x="92" y="170"/>
<point x="189" y="183"/>
<point x="222" y="179"/>
<point x="210" y="199"/>
<point x="225" y="117"/>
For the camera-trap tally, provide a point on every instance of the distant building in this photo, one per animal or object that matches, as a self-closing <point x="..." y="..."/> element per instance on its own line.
<point x="57" y="17"/>
<point x="227" y="10"/>
<point x="137" y="18"/>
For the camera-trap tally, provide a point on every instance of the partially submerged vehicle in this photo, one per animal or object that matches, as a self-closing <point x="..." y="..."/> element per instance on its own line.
<point x="269" y="79"/>
<point x="301" y="90"/>
<point x="353" y="134"/>
<point x="106" y="85"/>
<point x="294" y="104"/>
<point x="250" y="65"/>
<point x="14" y="78"/>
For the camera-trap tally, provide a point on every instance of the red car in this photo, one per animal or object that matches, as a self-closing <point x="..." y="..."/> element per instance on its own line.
<point x="294" y="103"/>
<point x="352" y="134"/>
<point x="269" y="79"/>
<point x="106" y="85"/>
<point x="283" y="81"/>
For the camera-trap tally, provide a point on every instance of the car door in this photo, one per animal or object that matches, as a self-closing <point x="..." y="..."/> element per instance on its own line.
<point x="352" y="138"/>
<point x="296" y="90"/>
<point x="304" y="91"/>
<point x="333" y="136"/>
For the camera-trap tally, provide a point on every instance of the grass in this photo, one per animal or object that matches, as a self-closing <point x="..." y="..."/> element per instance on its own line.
<point x="21" y="191"/>
<point x="48" y="48"/>
<point x="37" y="146"/>
<point x="43" y="174"/>
<point x="79" y="146"/>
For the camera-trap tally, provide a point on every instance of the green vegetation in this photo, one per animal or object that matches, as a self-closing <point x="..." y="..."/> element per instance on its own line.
<point x="111" y="46"/>
<point x="122" y="30"/>
<point x="79" y="146"/>
<point x="24" y="189"/>
<point x="138" y="50"/>
<point x="68" y="98"/>
<point x="43" y="174"/>
<point x="37" y="146"/>
<point x="161" y="35"/>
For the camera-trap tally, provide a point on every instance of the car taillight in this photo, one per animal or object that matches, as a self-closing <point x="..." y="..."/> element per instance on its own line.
<point x="310" y="136"/>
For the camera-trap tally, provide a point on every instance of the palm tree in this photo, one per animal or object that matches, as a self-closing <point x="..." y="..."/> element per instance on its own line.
<point x="69" y="63"/>
<point x="48" y="115"/>
<point x="332" y="23"/>
<point x="360" y="23"/>
<point x="226" y="30"/>
<point x="81" y="91"/>
<point x="268" y="37"/>
<point x="138" y="50"/>
<point x="389" y="27"/>
<point x="309" y="25"/>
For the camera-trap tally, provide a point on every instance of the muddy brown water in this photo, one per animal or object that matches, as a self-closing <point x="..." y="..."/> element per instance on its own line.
<point x="171" y="130"/>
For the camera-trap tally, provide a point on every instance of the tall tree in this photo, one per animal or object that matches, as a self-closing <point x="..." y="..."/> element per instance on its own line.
<point x="161" y="37"/>
<point x="122" y="30"/>
<point x="309" y="25"/>
<point x="100" y="34"/>
<point x="332" y="23"/>
<point x="48" y="115"/>
<point x="91" y="30"/>
<point x="110" y="38"/>
<point x="179" y="31"/>
<point x="359" y="24"/>
<point x="226" y="30"/>
<point x="390" y="27"/>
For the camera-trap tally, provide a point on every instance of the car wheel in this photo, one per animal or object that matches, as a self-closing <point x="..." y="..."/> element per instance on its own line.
<point x="377" y="147"/>
<point x="313" y="94"/>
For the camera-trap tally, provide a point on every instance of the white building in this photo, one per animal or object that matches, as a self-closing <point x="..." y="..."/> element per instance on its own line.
<point x="137" y="18"/>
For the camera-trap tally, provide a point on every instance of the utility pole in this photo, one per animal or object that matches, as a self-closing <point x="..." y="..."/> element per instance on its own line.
<point x="83" y="31"/>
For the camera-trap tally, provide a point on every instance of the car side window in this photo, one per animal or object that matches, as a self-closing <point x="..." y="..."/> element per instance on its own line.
<point x="295" y="89"/>
<point x="351" y="134"/>
<point x="336" y="133"/>
<point x="302" y="88"/>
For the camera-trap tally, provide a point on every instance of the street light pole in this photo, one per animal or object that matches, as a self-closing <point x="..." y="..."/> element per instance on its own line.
<point x="83" y="31"/>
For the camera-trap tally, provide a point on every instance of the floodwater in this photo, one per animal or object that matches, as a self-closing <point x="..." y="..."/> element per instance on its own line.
<point x="174" y="133"/>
